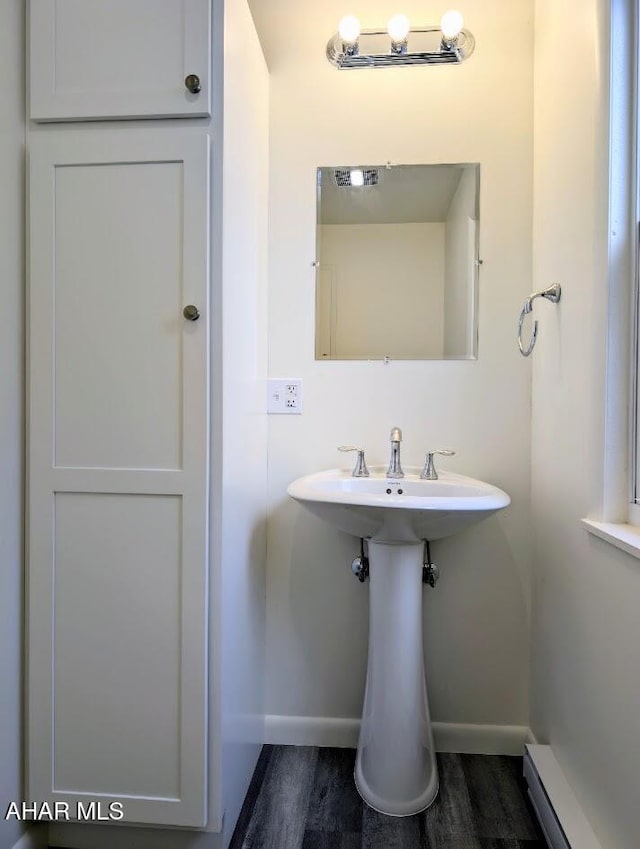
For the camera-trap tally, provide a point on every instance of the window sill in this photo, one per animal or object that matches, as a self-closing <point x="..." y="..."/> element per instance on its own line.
<point x="625" y="537"/>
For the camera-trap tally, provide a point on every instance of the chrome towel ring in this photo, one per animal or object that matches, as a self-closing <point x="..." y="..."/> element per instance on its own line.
<point x="551" y="294"/>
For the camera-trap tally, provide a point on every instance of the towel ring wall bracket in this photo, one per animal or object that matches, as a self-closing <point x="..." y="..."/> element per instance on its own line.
<point x="552" y="294"/>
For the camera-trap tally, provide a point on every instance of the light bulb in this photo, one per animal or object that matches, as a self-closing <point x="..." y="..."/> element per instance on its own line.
<point x="357" y="177"/>
<point x="398" y="28"/>
<point x="349" y="29"/>
<point x="451" y="24"/>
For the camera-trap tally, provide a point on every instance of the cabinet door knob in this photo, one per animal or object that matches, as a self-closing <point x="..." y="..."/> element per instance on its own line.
<point x="192" y="82"/>
<point x="191" y="312"/>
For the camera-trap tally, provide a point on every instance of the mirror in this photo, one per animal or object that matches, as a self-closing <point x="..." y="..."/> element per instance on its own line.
<point x="397" y="262"/>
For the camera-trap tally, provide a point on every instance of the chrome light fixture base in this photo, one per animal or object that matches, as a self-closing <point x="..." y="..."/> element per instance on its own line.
<point x="425" y="46"/>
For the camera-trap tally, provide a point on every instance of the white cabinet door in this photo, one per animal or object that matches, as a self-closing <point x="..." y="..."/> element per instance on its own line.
<point x="92" y="59"/>
<point x="118" y="473"/>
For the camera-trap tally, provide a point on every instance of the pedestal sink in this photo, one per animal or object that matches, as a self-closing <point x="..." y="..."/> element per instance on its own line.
<point x="396" y="770"/>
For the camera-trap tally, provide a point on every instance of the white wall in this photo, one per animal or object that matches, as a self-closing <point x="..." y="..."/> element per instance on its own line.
<point x="460" y="271"/>
<point x="387" y="289"/>
<point x="243" y="462"/>
<point x="476" y="621"/>
<point x="586" y="629"/>
<point x="11" y="408"/>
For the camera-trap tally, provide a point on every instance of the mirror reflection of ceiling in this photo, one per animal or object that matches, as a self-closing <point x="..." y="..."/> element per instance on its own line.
<point x="404" y="194"/>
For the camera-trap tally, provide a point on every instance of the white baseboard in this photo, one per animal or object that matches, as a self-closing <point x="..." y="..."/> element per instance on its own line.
<point x="34" y="838"/>
<point x="311" y="731"/>
<point x="479" y="739"/>
<point x="343" y="733"/>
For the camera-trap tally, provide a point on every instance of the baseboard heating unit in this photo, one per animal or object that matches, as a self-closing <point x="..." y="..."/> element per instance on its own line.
<point x="561" y="818"/>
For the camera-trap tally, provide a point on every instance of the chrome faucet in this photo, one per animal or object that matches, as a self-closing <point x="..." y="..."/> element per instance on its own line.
<point x="395" y="469"/>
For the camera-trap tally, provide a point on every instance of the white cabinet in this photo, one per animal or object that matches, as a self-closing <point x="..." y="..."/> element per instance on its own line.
<point x="118" y="472"/>
<point x="92" y="59"/>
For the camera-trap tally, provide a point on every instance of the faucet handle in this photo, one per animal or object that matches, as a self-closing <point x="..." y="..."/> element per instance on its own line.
<point x="360" y="469"/>
<point x="429" y="470"/>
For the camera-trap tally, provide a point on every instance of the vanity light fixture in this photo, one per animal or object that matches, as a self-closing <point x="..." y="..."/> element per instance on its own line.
<point x="400" y="44"/>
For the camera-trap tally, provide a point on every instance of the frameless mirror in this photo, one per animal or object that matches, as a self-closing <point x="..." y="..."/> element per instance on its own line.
<point x="397" y="262"/>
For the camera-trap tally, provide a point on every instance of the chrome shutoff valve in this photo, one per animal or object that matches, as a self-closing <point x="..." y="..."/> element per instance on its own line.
<point x="360" y="568"/>
<point x="430" y="572"/>
<point x="360" y="565"/>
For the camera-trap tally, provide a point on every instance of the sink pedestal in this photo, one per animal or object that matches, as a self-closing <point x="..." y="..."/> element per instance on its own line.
<point x="396" y="766"/>
<point x="396" y="771"/>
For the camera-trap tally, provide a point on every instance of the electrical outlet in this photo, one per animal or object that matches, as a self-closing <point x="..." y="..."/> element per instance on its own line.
<point x="284" y="397"/>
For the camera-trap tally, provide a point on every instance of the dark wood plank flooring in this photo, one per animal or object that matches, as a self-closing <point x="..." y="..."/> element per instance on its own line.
<point x="303" y="797"/>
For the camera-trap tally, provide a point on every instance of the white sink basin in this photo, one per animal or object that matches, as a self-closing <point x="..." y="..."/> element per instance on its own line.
<point x="402" y="510"/>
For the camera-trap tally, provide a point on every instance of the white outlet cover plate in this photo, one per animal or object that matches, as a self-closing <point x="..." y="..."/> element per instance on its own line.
<point x="284" y="396"/>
